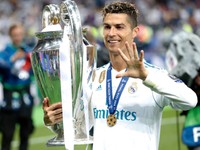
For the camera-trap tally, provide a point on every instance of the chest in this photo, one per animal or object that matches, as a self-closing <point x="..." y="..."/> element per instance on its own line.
<point x="135" y="95"/>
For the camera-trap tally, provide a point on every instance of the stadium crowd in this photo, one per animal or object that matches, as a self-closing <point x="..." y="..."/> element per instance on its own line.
<point x="159" y="19"/>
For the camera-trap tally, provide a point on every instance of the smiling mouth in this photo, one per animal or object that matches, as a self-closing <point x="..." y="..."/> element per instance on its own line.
<point x="113" y="41"/>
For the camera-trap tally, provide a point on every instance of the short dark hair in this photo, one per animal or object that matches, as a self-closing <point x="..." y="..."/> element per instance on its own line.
<point x="123" y="7"/>
<point x="14" y="26"/>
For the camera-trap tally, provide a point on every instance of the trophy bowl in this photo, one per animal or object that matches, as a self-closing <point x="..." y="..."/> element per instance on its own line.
<point x="46" y="66"/>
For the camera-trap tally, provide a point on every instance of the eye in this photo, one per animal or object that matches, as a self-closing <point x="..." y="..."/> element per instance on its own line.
<point x="119" y="27"/>
<point x="106" y="27"/>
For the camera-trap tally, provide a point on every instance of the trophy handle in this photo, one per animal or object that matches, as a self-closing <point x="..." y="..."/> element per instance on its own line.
<point x="71" y="17"/>
<point x="50" y="15"/>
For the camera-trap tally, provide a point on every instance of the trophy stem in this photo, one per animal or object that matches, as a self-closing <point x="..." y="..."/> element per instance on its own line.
<point x="58" y="140"/>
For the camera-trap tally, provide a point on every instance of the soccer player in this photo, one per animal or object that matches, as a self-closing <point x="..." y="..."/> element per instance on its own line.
<point x="128" y="94"/>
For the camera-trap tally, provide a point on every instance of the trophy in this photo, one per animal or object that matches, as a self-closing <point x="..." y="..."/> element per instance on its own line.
<point x="62" y="50"/>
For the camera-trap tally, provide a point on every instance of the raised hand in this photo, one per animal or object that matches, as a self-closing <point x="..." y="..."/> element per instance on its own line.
<point x="135" y="64"/>
<point x="52" y="113"/>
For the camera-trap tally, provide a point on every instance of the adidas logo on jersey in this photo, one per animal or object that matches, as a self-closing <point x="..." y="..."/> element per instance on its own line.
<point x="99" y="88"/>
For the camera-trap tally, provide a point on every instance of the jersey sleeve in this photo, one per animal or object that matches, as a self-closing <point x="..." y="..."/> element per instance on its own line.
<point x="169" y="90"/>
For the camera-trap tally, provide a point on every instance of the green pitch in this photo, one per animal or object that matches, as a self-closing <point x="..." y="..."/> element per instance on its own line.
<point x="168" y="141"/>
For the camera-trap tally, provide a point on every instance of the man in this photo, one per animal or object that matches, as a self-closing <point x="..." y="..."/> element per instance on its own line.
<point x="16" y="107"/>
<point x="128" y="94"/>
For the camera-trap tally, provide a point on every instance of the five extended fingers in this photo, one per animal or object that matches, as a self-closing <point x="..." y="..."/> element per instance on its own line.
<point x="141" y="55"/>
<point x="129" y="49"/>
<point x="123" y="55"/>
<point x="133" y="57"/>
<point x="133" y="53"/>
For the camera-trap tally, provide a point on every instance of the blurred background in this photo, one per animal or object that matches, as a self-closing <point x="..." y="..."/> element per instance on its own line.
<point x="159" y="21"/>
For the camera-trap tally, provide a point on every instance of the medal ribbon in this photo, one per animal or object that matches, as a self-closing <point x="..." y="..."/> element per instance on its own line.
<point x="112" y="103"/>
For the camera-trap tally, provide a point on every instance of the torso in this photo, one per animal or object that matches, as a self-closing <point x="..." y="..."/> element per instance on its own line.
<point x="136" y="114"/>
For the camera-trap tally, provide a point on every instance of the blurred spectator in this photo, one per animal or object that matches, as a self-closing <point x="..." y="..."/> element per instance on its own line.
<point x="15" y="74"/>
<point x="162" y="17"/>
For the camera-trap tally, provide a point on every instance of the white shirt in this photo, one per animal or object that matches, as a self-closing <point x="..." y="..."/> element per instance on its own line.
<point x="139" y="111"/>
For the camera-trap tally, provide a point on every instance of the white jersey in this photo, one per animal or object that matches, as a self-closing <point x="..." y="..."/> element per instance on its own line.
<point x="139" y="111"/>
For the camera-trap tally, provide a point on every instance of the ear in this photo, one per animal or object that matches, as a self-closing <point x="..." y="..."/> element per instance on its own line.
<point x="135" y="31"/>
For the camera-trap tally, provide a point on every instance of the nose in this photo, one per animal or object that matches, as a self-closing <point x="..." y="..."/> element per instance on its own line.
<point x="112" y="31"/>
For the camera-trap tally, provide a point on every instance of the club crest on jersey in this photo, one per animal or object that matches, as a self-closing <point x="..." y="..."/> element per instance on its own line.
<point x="133" y="88"/>
<point x="102" y="76"/>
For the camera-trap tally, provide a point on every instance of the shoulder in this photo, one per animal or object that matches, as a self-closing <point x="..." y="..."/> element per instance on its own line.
<point x="157" y="72"/>
<point x="102" y="68"/>
<point x="100" y="73"/>
<point x="153" y="68"/>
<point x="26" y="48"/>
<point x="8" y="47"/>
<point x="7" y="50"/>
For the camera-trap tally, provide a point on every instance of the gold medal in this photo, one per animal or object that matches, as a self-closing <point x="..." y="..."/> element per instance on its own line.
<point x="111" y="120"/>
<point x="102" y="76"/>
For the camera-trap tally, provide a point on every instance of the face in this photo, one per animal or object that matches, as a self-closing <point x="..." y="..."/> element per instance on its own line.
<point x="117" y="30"/>
<point x="17" y="35"/>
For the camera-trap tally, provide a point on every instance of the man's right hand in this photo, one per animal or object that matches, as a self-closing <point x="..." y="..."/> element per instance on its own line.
<point x="52" y="113"/>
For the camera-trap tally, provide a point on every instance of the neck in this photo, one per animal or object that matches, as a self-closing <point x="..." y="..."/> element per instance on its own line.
<point x="117" y="62"/>
<point x="16" y="45"/>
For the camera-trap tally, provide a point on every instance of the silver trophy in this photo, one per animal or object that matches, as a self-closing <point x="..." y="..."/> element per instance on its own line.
<point x="45" y="61"/>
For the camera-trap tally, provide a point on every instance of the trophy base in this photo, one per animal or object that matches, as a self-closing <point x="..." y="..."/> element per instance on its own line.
<point x="55" y="142"/>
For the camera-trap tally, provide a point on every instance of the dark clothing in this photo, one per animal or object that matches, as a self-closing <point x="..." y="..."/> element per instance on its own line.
<point x="193" y="148"/>
<point x="9" y="119"/>
<point x="17" y="104"/>
<point x="19" y="112"/>
<point x="102" y="57"/>
<point x="19" y="101"/>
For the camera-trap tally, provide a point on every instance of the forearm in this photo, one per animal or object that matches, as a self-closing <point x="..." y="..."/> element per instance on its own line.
<point x="174" y="90"/>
